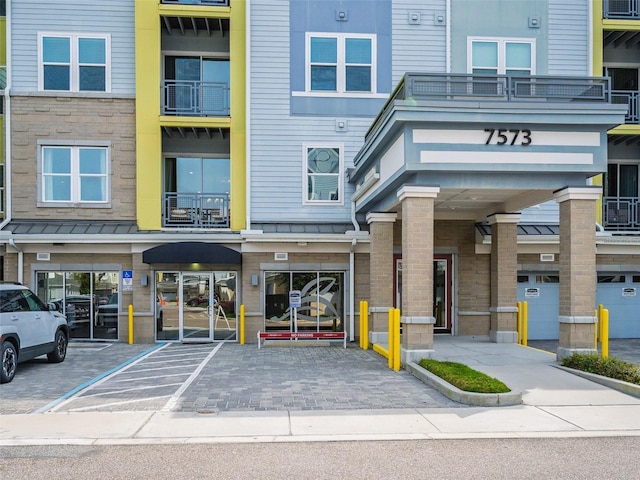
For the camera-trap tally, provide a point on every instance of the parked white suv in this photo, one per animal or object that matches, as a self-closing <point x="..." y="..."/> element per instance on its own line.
<point x="28" y="329"/>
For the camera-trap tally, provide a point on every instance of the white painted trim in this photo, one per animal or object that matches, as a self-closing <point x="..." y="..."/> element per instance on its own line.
<point x="503" y="218"/>
<point x="381" y="217"/>
<point x="413" y="191"/>
<point x="578" y="193"/>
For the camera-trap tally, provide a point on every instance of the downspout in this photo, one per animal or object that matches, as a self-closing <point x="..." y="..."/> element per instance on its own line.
<point x="447" y="42"/>
<point x="352" y="272"/>
<point x="20" y="260"/>
<point x="7" y="123"/>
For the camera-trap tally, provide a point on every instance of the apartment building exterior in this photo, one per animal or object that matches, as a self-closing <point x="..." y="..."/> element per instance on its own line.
<point x="441" y="156"/>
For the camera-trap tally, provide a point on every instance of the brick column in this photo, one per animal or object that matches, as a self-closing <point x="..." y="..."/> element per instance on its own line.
<point x="417" y="271"/>
<point x="380" y="274"/>
<point x="504" y="277"/>
<point x="577" y="269"/>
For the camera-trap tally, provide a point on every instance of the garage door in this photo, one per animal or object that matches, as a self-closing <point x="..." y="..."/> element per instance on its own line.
<point x="542" y="294"/>
<point x="620" y="294"/>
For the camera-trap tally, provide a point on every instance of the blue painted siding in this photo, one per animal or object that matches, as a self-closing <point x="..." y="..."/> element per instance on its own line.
<point x="568" y="37"/>
<point x="277" y="137"/>
<point x="497" y="18"/>
<point x="362" y="17"/>
<point x="418" y="47"/>
<point x="115" y="17"/>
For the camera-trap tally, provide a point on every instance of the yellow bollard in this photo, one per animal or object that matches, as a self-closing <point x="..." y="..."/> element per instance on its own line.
<point x="604" y="340"/>
<point x="600" y="314"/>
<point x="361" y="323"/>
<point x="519" y="322"/>
<point x="391" y="342"/>
<point x="242" y="324"/>
<point x="396" y="339"/>
<point x="366" y="325"/>
<point x="525" y="321"/>
<point x="130" y="324"/>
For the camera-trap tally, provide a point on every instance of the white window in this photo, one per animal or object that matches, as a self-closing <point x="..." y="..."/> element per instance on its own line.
<point x="501" y="56"/>
<point x="74" y="63"/>
<point x="323" y="180"/>
<point x="340" y="63"/>
<point x="74" y="175"/>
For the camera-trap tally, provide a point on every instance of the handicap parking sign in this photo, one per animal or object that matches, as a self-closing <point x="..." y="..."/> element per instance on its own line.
<point x="127" y="280"/>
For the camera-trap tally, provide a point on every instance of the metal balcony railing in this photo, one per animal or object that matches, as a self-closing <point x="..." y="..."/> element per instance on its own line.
<point x="184" y="97"/>
<point x="621" y="213"/>
<point x="196" y="210"/>
<point x="218" y="3"/>
<point x="632" y="100"/>
<point x="503" y="87"/>
<point x="621" y="9"/>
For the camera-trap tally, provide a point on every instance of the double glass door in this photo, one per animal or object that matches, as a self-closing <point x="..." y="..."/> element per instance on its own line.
<point x="196" y="307"/>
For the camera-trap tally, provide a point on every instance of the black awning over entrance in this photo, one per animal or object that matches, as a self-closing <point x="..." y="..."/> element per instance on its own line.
<point x="192" y="252"/>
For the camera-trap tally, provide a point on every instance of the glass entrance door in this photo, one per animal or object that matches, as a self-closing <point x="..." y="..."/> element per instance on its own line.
<point x="197" y="307"/>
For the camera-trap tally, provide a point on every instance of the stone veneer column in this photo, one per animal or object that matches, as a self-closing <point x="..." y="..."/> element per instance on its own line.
<point x="577" y="269"/>
<point x="417" y="271"/>
<point x="504" y="277"/>
<point x="380" y="274"/>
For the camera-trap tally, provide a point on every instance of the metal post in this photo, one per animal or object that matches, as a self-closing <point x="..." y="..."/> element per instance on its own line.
<point x="130" y="324"/>
<point x="366" y="325"/>
<point x="360" y="325"/>
<point x="519" y="322"/>
<point x="525" y="322"/>
<point x="605" y="333"/>
<point x="242" y="324"/>
<point x="391" y="342"/>
<point x="396" y="339"/>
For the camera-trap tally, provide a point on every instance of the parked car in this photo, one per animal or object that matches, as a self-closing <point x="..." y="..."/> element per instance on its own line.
<point x="77" y="309"/>
<point x="28" y="328"/>
<point x="107" y="315"/>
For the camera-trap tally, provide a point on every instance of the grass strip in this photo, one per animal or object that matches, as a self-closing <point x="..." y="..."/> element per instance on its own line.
<point x="464" y="377"/>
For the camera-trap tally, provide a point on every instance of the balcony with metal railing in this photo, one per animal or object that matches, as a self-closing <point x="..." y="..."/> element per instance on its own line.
<point x="625" y="9"/>
<point x="217" y="3"/>
<point x="196" y="210"/>
<point x="632" y="100"/>
<point x="621" y="213"/>
<point x="195" y="98"/>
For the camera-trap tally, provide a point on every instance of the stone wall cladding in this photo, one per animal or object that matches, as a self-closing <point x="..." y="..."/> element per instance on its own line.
<point x="42" y="118"/>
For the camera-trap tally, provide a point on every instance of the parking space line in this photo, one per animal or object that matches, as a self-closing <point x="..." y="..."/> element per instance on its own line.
<point x="67" y="396"/>
<point x="115" y="404"/>
<point x="164" y="368"/>
<point x="123" y="380"/>
<point x="174" y="398"/>
<point x="134" y="389"/>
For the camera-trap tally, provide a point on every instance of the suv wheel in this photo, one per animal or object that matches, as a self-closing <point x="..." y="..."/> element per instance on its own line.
<point x="60" y="350"/>
<point x="9" y="362"/>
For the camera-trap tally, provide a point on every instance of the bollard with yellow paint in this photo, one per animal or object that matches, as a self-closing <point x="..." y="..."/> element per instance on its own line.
<point x="604" y="339"/>
<point x="391" y="340"/>
<point x="130" y="324"/>
<point x="365" y="344"/>
<point x="525" y="322"/>
<point x="361" y="324"/>
<point x="242" y="324"/>
<point x="396" y="339"/>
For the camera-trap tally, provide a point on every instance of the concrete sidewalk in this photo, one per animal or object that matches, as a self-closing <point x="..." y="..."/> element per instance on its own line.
<point x="556" y="404"/>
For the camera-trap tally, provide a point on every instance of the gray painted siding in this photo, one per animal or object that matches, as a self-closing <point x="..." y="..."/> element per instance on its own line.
<point x="277" y="137"/>
<point x="115" y="17"/>
<point x="418" y="48"/>
<point x="569" y="37"/>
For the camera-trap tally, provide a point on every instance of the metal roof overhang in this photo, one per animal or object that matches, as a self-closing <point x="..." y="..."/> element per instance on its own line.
<point x="192" y="252"/>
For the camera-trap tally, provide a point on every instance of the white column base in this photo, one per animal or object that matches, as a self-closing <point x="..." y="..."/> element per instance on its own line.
<point x="497" y="336"/>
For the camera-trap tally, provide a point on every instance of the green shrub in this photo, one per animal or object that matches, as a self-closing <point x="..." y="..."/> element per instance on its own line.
<point x="463" y="377"/>
<point x="611" y="367"/>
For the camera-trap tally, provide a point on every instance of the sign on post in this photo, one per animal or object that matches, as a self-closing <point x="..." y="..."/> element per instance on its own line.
<point x="295" y="299"/>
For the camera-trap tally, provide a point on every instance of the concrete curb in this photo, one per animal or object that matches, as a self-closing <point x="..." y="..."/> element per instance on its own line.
<point x="619" y="385"/>
<point x="460" y="396"/>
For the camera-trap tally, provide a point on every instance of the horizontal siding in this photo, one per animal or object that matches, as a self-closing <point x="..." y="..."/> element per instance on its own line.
<point x="418" y="48"/>
<point x="547" y="213"/>
<point x="276" y="136"/>
<point x="115" y="17"/>
<point x="569" y="37"/>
